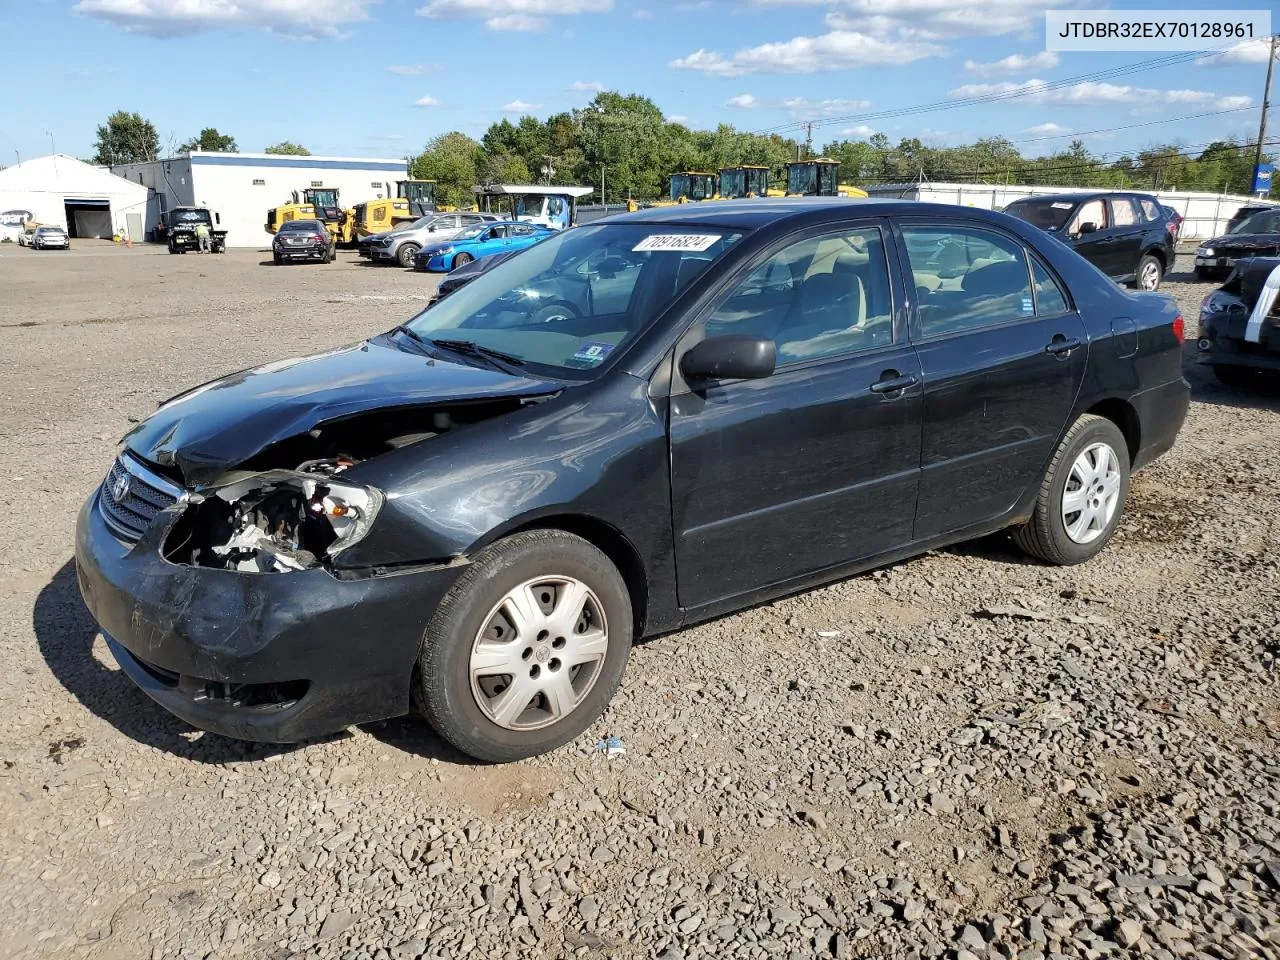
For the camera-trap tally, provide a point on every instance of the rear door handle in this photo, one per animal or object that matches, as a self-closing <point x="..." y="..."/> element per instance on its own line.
<point x="891" y="382"/>
<point x="1060" y="345"/>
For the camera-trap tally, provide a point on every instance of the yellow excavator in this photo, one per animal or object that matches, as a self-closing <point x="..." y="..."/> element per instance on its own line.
<point x="413" y="199"/>
<point x="686" y="186"/>
<point x="319" y="203"/>
<point x="745" y="180"/>
<point x="819" y="177"/>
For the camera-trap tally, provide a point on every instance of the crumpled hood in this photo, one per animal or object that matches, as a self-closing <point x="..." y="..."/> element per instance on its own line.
<point x="221" y="424"/>
<point x="1245" y="241"/>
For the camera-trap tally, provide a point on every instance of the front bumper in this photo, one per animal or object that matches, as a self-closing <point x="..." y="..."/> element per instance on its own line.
<point x="381" y="253"/>
<point x="269" y="657"/>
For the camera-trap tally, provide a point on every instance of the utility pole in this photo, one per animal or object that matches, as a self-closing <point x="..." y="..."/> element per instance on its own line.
<point x="1266" y="102"/>
<point x="603" y="202"/>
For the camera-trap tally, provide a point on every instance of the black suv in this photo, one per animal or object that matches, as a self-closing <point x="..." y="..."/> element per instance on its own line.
<point x="1125" y="235"/>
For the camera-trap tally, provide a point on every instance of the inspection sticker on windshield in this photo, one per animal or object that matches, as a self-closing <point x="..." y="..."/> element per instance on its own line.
<point x="1062" y="206"/>
<point x="680" y="242"/>
<point x="591" y="353"/>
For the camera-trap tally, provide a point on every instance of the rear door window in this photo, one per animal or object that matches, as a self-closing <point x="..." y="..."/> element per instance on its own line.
<point x="1124" y="212"/>
<point x="966" y="278"/>
<point x="1051" y="299"/>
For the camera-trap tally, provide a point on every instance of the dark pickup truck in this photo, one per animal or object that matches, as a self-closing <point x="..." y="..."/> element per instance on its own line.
<point x="179" y="229"/>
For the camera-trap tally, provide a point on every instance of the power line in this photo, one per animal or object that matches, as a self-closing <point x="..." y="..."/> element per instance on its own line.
<point x="1017" y="93"/>
<point x="1131" y="126"/>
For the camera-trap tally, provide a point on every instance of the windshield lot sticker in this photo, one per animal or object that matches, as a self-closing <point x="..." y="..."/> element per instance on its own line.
<point x="591" y="353"/>
<point x="1062" y="206"/>
<point x="680" y="242"/>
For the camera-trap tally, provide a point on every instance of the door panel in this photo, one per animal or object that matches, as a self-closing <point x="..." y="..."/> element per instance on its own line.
<point x="810" y="468"/>
<point x="1127" y="231"/>
<point x="775" y="478"/>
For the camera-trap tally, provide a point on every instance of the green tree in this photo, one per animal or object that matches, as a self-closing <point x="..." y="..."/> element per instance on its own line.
<point x="288" y="148"/>
<point x="211" y="141"/>
<point x="126" y="138"/>
<point x="451" y="160"/>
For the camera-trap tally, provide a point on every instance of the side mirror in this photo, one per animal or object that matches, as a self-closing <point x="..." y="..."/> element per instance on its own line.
<point x="733" y="356"/>
<point x="1090" y="227"/>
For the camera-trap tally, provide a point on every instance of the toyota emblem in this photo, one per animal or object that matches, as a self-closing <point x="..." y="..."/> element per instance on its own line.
<point x="120" y="487"/>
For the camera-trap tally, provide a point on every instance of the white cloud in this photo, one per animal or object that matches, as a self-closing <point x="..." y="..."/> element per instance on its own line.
<point x="642" y="14"/>
<point x="860" y="132"/>
<point x="168" y="18"/>
<point x="409" y="70"/>
<point x="1015" y="63"/>
<point x="833" y="107"/>
<point x="518" y="23"/>
<point x="519" y="106"/>
<point x="838" y="50"/>
<point x="522" y="16"/>
<point x="587" y="86"/>
<point x="677" y="118"/>
<point x="744" y="101"/>
<point x="426" y="102"/>
<point x="1248" y="52"/>
<point x="929" y="19"/>
<point x="1092" y="93"/>
<point x="1047" y="129"/>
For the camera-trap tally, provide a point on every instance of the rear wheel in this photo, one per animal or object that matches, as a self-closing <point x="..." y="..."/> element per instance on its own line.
<point x="278" y="259"/>
<point x="1082" y="495"/>
<point x="1149" y="274"/>
<point x="527" y="649"/>
<point x="461" y="260"/>
<point x="406" y="253"/>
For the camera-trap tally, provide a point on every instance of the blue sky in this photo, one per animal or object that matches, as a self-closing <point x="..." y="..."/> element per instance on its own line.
<point x="379" y="78"/>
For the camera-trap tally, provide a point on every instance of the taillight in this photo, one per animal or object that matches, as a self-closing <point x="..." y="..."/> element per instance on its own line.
<point x="1179" y="330"/>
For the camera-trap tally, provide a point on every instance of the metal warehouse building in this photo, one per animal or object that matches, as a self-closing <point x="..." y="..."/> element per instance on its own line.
<point x="86" y="200"/>
<point x="242" y="187"/>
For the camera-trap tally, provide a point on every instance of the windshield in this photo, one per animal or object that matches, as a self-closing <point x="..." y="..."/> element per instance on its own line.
<point x="49" y="230"/>
<point x="192" y="216"/>
<point x="732" y="183"/>
<point x="802" y="179"/>
<point x="323" y="198"/>
<point x="567" y="304"/>
<point x="301" y="226"/>
<point x="1264" y="221"/>
<point x="1048" y="215"/>
<point x="473" y="233"/>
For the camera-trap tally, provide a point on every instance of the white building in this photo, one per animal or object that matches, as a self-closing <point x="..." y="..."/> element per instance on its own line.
<point x="1205" y="215"/>
<point x="242" y="187"/>
<point x="86" y="200"/>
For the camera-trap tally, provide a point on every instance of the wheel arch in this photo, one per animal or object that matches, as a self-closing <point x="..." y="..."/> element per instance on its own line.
<point x="1157" y="251"/>
<point x="1122" y="413"/>
<point x="606" y="538"/>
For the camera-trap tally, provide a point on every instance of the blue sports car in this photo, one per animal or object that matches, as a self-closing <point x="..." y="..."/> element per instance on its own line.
<point x="482" y="241"/>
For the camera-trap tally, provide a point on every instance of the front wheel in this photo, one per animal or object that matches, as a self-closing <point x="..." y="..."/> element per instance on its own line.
<point x="1082" y="495"/>
<point x="461" y="260"/>
<point x="1149" y="274"/>
<point x="527" y="649"/>
<point x="406" y="253"/>
<point x="1203" y="275"/>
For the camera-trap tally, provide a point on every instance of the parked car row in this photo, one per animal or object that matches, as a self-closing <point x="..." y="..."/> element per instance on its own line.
<point x="45" y="238"/>
<point x="444" y="241"/>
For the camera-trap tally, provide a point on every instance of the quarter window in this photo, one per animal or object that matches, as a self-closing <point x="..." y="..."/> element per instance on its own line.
<point x="1050" y="297"/>
<point x="1125" y="212"/>
<point x="1150" y="210"/>
<point x="816" y="298"/>
<point x="966" y="278"/>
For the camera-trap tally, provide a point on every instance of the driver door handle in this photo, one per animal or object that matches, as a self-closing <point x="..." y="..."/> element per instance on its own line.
<point x="1060" y="345"/>
<point x="891" y="382"/>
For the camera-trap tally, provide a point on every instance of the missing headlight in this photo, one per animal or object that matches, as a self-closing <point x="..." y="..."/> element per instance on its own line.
<point x="274" y="522"/>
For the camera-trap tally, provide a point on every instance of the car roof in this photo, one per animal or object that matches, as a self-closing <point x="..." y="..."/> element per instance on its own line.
<point x="751" y="214"/>
<point x="1082" y="195"/>
<point x="307" y="221"/>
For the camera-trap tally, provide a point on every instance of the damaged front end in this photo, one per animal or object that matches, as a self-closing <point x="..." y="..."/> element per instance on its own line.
<point x="274" y="522"/>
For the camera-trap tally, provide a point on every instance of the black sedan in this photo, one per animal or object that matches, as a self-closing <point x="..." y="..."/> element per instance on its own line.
<point x="1257" y="235"/>
<point x="304" y="240"/>
<point x="1240" y="323"/>
<point x="635" y="425"/>
<point x="1128" y="236"/>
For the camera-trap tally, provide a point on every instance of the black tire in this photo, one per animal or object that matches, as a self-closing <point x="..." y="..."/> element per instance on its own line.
<point x="443" y="680"/>
<point x="1234" y="376"/>
<point x="278" y="259"/>
<point x="1203" y="274"/>
<point x="406" y="253"/>
<point x="461" y="260"/>
<point x="1148" y="265"/>
<point x="1045" y="536"/>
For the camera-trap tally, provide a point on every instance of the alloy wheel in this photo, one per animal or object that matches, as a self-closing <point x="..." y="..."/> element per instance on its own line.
<point x="1091" y="494"/>
<point x="539" y="653"/>
<point x="1150" y="279"/>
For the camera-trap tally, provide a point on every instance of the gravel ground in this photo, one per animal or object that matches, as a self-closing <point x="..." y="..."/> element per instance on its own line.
<point x="966" y="755"/>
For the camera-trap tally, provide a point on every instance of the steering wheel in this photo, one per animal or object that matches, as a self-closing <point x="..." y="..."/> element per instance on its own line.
<point x="555" y="312"/>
